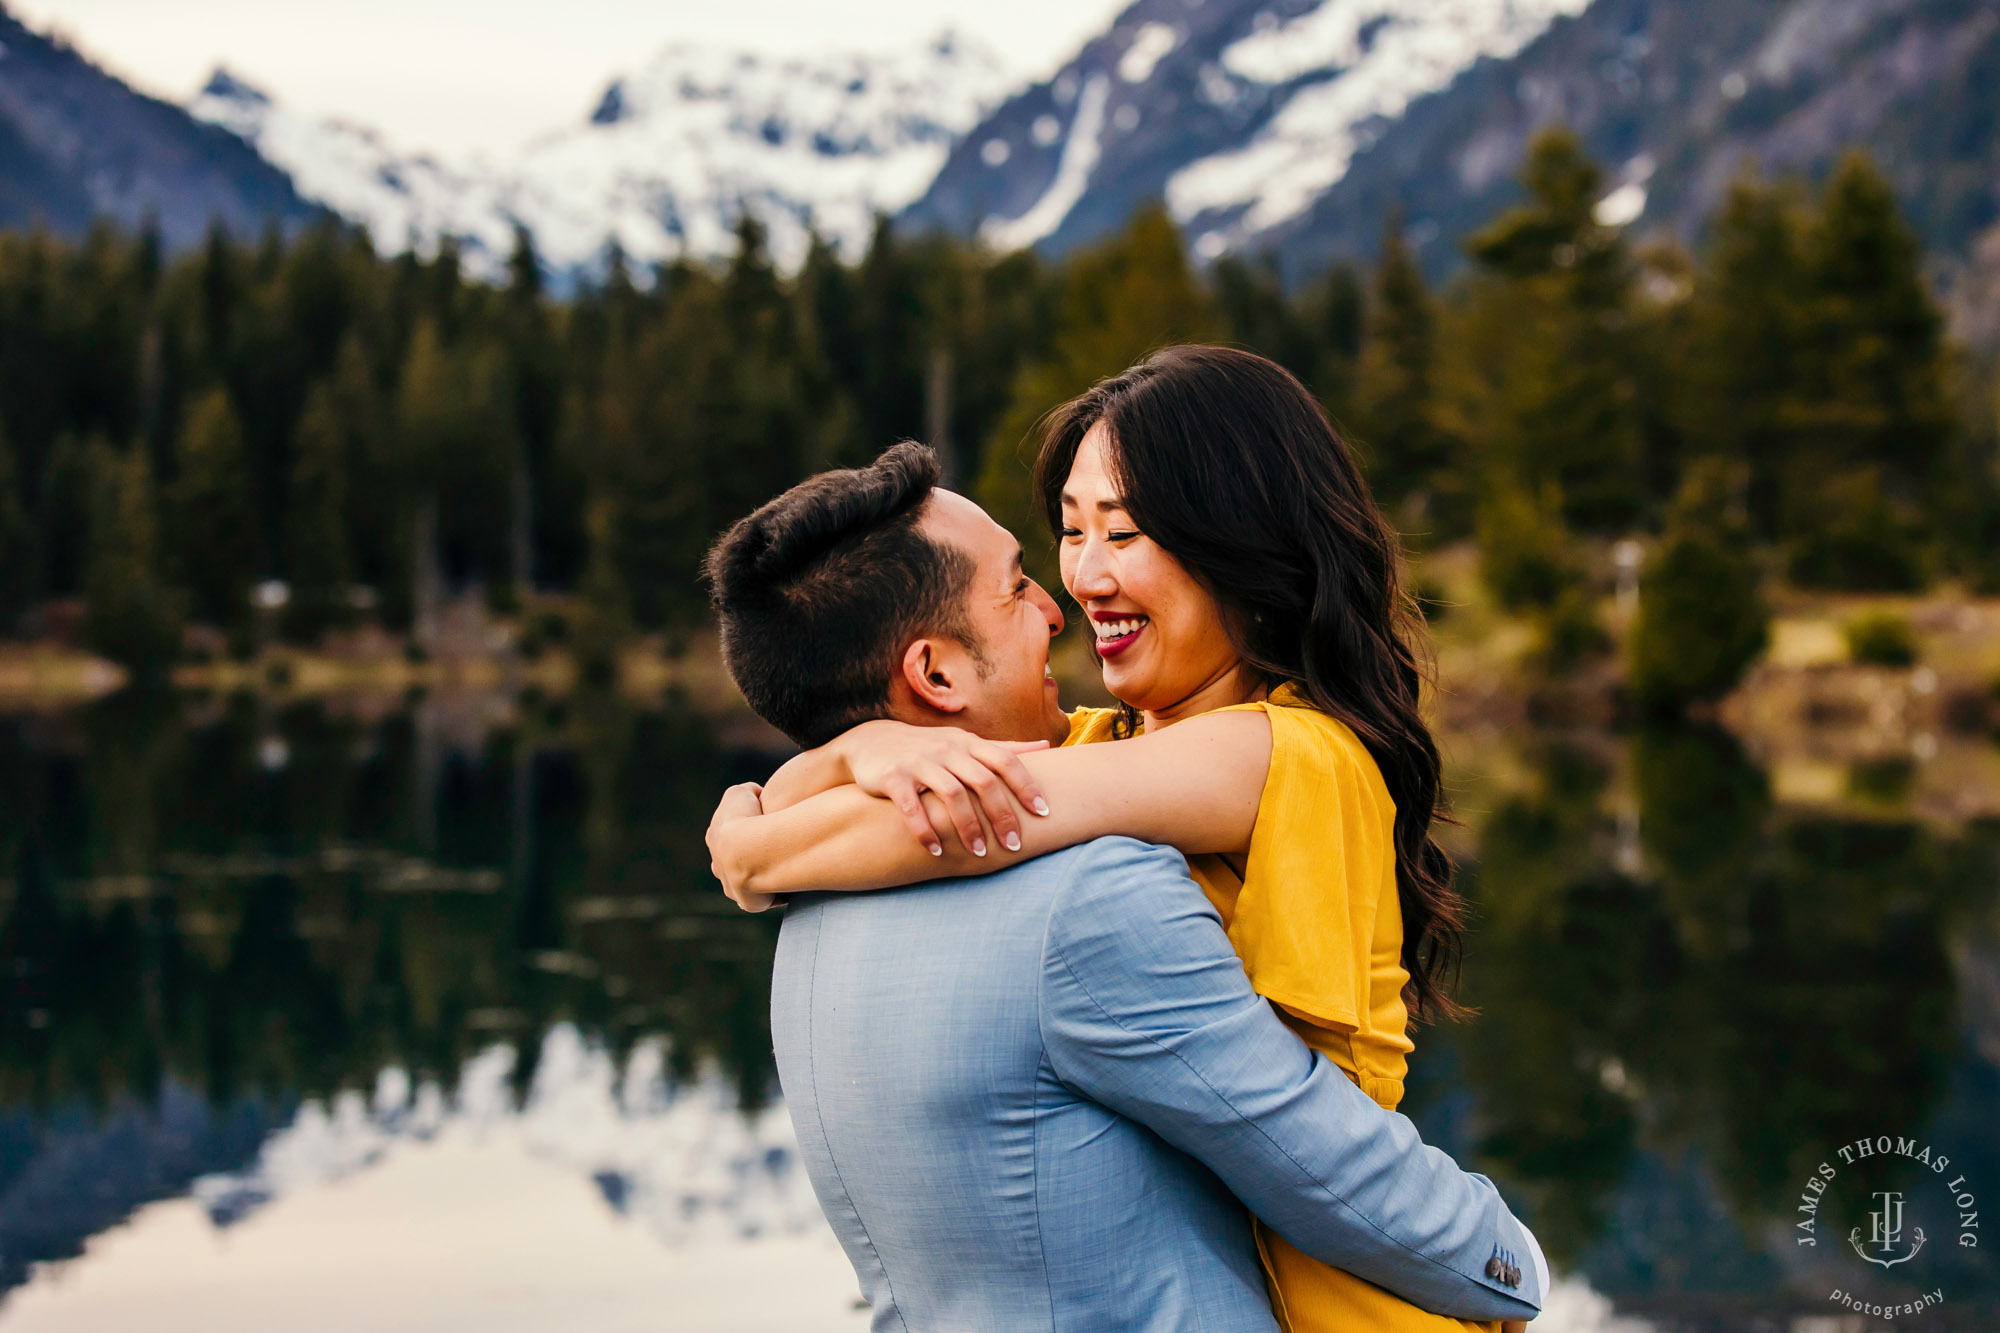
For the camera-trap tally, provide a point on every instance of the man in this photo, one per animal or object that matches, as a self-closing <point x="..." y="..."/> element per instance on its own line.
<point x="1034" y="1100"/>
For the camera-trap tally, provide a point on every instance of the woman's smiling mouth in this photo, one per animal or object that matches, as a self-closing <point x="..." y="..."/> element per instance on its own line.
<point x="1114" y="631"/>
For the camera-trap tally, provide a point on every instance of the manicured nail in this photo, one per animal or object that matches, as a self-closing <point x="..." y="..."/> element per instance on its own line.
<point x="1041" y="806"/>
<point x="1013" y="842"/>
<point x="937" y="849"/>
<point x="979" y="846"/>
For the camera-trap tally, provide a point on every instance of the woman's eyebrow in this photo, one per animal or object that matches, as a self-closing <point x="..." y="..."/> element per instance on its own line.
<point x="1114" y="505"/>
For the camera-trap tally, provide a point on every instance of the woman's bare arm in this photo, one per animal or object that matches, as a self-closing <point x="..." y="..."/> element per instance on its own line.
<point x="981" y="784"/>
<point x="1194" y="786"/>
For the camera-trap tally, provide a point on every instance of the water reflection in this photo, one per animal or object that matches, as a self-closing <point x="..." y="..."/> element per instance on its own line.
<point x="1672" y="1041"/>
<point x="246" y="953"/>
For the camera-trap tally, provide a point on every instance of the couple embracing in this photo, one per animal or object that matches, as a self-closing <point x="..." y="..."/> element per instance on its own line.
<point x="1098" y="1021"/>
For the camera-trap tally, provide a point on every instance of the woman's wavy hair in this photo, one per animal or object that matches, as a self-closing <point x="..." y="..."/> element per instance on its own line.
<point x="1230" y="465"/>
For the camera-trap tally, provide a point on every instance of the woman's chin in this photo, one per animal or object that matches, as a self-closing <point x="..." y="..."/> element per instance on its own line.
<point x="1124" y="684"/>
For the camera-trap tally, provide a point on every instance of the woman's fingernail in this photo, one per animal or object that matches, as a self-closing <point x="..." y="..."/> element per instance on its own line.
<point x="1041" y="806"/>
<point x="979" y="846"/>
<point x="1013" y="842"/>
<point x="937" y="849"/>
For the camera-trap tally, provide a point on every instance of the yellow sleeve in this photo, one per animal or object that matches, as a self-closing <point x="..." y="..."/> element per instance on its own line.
<point x="1320" y="858"/>
<point x="1090" y="725"/>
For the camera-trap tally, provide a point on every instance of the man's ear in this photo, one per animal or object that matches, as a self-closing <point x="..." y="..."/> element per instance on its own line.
<point x="931" y="674"/>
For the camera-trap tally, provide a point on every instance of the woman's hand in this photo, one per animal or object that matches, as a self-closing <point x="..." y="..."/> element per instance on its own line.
<point x="966" y="772"/>
<point x="743" y="801"/>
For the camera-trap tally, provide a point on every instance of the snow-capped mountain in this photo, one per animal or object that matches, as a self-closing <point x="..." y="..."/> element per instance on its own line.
<point x="1341" y="71"/>
<point x="1297" y="126"/>
<point x="668" y="161"/>
<point x="400" y="198"/>
<point x="1239" y="113"/>
<point x="77" y="145"/>
<point x="1291" y="126"/>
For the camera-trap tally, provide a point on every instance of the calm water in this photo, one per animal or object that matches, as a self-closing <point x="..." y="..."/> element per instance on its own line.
<point x="433" y="1017"/>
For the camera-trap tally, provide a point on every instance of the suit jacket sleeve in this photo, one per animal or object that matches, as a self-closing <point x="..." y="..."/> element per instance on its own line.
<point x="1145" y="1009"/>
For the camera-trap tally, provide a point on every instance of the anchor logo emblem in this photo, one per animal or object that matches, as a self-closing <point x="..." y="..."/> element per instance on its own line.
<point x="1885" y="1233"/>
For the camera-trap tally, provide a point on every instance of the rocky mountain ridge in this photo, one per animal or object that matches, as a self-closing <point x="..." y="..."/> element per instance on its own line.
<point x="667" y="162"/>
<point x="77" y="145"/>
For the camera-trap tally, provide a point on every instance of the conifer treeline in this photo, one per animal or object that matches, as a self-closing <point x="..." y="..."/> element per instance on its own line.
<point x="374" y="431"/>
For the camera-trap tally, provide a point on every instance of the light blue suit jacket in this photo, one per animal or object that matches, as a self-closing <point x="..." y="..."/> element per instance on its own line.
<point x="1033" y="1101"/>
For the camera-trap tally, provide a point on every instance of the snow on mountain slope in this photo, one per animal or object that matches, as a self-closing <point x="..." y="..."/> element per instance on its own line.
<point x="1239" y="113"/>
<point x="667" y="162"/>
<point x="805" y="144"/>
<point x="1372" y="58"/>
<point x="401" y="199"/>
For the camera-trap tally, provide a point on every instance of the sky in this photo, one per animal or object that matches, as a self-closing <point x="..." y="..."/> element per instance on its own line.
<point x="483" y="77"/>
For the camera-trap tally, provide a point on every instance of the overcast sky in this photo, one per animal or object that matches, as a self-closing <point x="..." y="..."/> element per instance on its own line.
<point x="457" y="76"/>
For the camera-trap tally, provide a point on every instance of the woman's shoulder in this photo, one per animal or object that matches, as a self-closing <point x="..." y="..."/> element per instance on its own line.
<point x="1305" y="735"/>
<point x="1293" y="713"/>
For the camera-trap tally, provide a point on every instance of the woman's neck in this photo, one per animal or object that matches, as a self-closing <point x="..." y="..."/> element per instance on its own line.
<point x="1235" y="683"/>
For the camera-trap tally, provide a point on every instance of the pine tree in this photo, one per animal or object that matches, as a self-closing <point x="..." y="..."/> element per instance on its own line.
<point x="1527" y="556"/>
<point x="377" y="500"/>
<point x="17" y="542"/>
<point x="317" y="563"/>
<point x="1252" y="304"/>
<point x="62" y="518"/>
<point x="1742" y="346"/>
<point x="1395" y="410"/>
<point x="211" y="510"/>
<point x="1702" y="618"/>
<point x="1871" y="410"/>
<point x="132" y="615"/>
<point x="835" y="366"/>
<point x="534" y="379"/>
<point x="891" y="321"/>
<point x="1545" y="382"/>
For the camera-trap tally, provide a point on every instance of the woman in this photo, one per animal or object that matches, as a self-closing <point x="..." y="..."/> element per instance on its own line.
<point x="1242" y="591"/>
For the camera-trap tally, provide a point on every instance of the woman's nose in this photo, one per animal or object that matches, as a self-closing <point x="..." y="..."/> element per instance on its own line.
<point x="1091" y="575"/>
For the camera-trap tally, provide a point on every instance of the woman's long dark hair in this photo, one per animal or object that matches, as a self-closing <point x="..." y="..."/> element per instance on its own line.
<point x="1230" y="465"/>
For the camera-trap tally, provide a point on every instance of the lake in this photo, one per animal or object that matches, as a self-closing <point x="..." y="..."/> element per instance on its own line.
<point x="427" y="1014"/>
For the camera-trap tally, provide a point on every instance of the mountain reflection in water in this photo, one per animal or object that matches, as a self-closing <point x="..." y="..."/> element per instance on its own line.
<point x="252" y="960"/>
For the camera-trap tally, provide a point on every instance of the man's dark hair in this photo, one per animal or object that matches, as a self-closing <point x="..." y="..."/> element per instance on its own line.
<point x="818" y="593"/>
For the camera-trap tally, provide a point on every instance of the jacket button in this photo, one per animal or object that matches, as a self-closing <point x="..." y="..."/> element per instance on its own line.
<point x="1493" y="1267"/>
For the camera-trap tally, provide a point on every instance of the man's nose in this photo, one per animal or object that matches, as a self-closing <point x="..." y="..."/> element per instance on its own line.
<point x="1051" y="610"/>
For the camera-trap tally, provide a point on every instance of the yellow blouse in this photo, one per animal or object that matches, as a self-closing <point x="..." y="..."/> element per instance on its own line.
<point x="1314" y="914"/>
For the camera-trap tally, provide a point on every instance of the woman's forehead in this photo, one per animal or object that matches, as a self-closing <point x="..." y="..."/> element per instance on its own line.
<point x="1090" y="480"/>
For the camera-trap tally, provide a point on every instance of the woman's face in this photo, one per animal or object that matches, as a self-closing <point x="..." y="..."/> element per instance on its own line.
<point x="1158" y="633"/>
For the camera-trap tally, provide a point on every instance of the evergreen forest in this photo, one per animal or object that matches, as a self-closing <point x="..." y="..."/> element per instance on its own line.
<point x="180" y="435"/>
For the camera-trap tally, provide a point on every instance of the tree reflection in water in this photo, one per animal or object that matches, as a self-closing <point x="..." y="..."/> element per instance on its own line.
<point x="1675" y="1032"/>
<point x="212" y="912"/>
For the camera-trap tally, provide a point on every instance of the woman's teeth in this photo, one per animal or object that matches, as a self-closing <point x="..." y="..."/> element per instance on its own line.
<point x="1117" y="629"/>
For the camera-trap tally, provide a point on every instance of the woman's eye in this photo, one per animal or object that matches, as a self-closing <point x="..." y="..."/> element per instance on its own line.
<point x="1119" y="536"/>
<point x="1070" y="532"/>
